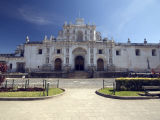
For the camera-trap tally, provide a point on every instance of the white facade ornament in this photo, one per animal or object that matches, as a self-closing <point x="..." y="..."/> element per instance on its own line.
<point x="93" y="23"/>
<point x="27" y="39"/>
<point x="128" y="41"/>
<point x="45" y="38"/>
<point x="112" y="39"/>
<point x="70" y="23"/>
<point x="107" y="38"/>
<point x="65" y="23"/>
<point x="51" y="37"/>
<point x="88" y="23"/>
<point x="145" y="40"/>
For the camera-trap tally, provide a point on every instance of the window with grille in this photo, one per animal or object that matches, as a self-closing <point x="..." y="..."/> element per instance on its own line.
<point x="117" y="52"/>
<point x="10" y="66"/>
<point x="137" y="51"/>
<point x="58" y="51"/>
<point x="153" y="52"/>
<point x="100" y="51"/>
<point x="40" y="51"/>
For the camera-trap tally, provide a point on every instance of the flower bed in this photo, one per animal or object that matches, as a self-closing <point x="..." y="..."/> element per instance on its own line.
<point x="11" y="89"/>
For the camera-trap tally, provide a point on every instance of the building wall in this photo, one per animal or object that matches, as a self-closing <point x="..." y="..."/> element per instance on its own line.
<point x="125" y="60"/>
<point x="128" y="58"/>
<point x="32" y="58"/>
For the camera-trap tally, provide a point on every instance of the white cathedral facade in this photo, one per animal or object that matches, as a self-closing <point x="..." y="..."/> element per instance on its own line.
<point x="79" y="47"/>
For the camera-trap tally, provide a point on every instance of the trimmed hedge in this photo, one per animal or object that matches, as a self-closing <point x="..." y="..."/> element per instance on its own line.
<point x="135" y="84"/>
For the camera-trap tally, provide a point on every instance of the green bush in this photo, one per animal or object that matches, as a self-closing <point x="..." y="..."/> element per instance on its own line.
<point x="135" y="84"/>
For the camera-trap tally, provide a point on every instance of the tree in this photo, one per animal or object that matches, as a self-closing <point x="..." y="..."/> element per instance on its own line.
<point x="3" y="69"/>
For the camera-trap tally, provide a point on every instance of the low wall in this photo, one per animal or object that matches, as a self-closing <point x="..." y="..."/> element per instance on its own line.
<point x="15" y="75"/>
<point x="48" y="75"/>
<point x="141" y="74"/>
<point x="105" y="74"/>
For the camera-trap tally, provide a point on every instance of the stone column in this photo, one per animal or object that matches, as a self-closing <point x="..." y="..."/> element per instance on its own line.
<point x="64" y="55"/>
<point x="53" y="65"/>
<point x="73" y="62"/>
<point x="112" y="56"/>
<point x="89" y="55"/>
<point x="83" y="37"/>
<point x="94" y="56"/>
<point x="70" y="55"/>
<point x="94" y="35"/>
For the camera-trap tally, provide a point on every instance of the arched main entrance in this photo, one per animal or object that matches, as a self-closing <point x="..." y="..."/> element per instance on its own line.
<point x="79" y="63"/>
<point x="100" y="64"/>
<point x="58" y="64"/>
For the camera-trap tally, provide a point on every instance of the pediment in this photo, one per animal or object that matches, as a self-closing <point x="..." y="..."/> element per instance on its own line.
<point x="79" y="50"/>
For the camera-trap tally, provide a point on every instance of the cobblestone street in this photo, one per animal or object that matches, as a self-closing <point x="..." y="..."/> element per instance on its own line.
<point x="80" y="103"/>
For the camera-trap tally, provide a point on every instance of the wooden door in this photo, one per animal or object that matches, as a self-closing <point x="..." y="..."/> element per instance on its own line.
<point x="58" y="64"/>
<point x="79" y="63"/>
<point x="20" y="67"/>
<point x="100" y="64"/>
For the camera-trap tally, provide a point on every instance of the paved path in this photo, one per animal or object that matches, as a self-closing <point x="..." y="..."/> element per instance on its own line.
<point x="80" y="104"/>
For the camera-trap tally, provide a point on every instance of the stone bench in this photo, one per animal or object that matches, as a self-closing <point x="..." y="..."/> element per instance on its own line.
<point x="151" y="93"/>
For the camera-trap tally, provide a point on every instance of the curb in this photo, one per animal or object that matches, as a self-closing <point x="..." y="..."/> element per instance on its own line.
<point x="124" y="97"/>
<point x="30" y="98"/>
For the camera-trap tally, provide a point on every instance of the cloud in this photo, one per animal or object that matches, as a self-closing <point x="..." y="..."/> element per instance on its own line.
<point x="31" y="15"/>
<point x="134" y="8"/>
<point x="104" y="32"/>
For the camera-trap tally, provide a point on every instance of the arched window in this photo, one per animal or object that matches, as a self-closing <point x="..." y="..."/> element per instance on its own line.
<point x="85" y="37"/>
<point x="110" y="60"/>
<point x="67" y="60"/>
<point x="67" y="50"/>
<point x="91" y="37"/>
<point x="79" y="36"/>
<point x="91" y="50"/>
<point x="85" y="31"/>
<point x="68" y="37"/>
<point x="73" y="37"/>
<point x="74" y="31"/>
<point x="47" y="60"/>
<point x="47" y="50"/>
<point x="91" y="60"/>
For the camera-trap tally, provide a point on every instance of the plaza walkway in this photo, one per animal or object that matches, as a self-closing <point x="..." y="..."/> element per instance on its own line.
<point x="80" y="104"/>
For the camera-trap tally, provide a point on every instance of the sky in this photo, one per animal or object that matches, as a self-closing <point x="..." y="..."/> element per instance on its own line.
<point x="120" y="19"/>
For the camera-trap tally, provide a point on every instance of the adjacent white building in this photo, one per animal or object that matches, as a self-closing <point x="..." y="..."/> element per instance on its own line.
<point x="80" y="47"/>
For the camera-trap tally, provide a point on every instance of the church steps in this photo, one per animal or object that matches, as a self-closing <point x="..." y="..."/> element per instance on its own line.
<point x="79" y="74"/>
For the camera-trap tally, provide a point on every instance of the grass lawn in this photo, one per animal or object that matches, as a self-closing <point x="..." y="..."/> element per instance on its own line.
<point x="52" y="91"/>
<point x="120" y="93"/>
